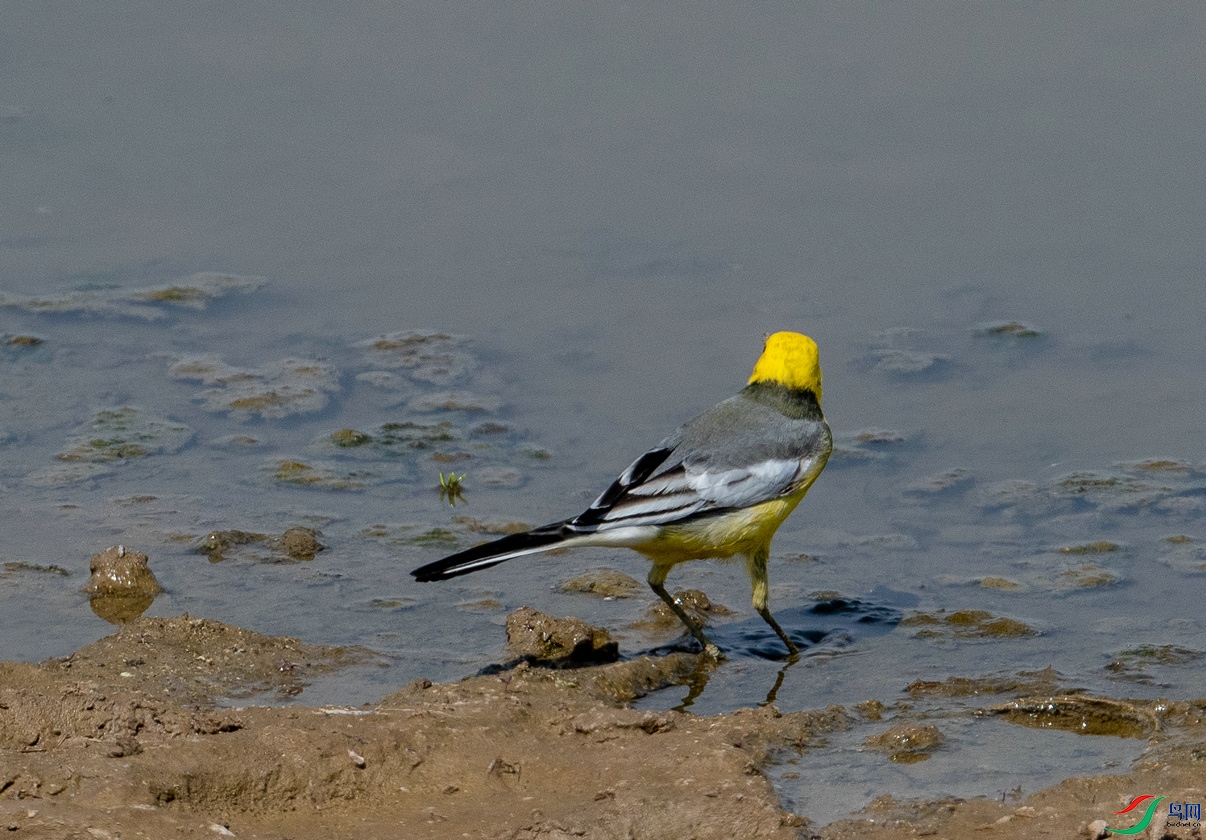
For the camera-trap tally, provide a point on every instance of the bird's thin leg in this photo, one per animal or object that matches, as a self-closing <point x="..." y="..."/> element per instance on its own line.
<point x="760" y="587"/>
<point x="657" y="577"/>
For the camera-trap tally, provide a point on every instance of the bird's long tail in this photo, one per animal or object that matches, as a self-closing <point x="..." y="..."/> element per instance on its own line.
<point x="493" y="553"/>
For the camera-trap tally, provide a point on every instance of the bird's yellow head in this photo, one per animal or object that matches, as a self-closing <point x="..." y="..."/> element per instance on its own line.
<point x="790" y="359"/>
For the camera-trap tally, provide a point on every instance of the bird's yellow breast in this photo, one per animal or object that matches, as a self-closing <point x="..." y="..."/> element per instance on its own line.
<point x="742" y="531"/>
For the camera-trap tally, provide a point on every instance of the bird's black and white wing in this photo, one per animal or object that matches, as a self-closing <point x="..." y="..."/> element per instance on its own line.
<point x="734" y="456"/>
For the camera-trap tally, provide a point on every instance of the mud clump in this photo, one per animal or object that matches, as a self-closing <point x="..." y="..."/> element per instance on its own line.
<point x="1083" y="715"/>
<point x="122" y="585"/>
<point x="1030" y="682"/>
<point x="560" y="641"/>
<point x="297" y="543"/>
<point x="603" y="583"/>
<point x="1135" y="663"/>
<point x="117" y="571"/>
<point x="349" y="438"/>
<point x="696" y="604"/>
<point x="217" y="544"/>
<point x="1087" y="576"/>
<point x="300" y="543"/>
<point x="1099" y="547"/>
<point x="907" y="743"/>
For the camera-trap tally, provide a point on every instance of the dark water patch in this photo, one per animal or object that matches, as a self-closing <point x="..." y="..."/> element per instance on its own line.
<point x="834" y="623"/>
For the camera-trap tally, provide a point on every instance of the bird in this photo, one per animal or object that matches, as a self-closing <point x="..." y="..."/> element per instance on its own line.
<point x="716" y="488"/>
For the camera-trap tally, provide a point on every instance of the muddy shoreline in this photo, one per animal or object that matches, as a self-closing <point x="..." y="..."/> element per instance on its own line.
<point x="141" y="734"/>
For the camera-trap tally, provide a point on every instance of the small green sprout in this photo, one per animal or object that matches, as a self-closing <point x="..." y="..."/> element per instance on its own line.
<point x="450" y="487"/>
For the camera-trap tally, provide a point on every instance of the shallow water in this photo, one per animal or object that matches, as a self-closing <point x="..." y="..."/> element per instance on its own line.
<point x="608" y="208"/>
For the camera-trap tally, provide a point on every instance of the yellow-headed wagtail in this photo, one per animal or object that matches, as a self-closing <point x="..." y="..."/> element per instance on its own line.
<point x="719" y="486"/>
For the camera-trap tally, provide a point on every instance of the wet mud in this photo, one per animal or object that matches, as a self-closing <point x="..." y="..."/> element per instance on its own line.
<point x="144" y="734"/>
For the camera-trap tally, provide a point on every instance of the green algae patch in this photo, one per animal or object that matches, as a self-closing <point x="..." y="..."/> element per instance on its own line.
<point x="966" y="624"/>
<point x="866" y="444"/>
<point x="1028" y="682"/>
<point x="296" y="543"/>
<point x="398" y="439"/>
<point x="1175" y="466"/>
<point x="176" y="294"/>
<point x="411" y="435"/>
<point x="460" y="401"/>
<point x="1109" y="491"/>
<point x="125" y="433"/>
<point x="880" y="437"/>
<point x="1004" y="584"/>
<point x="941" y="482"/>
<point x="1184" y="555"/>
<point x="1099" y="547"/>
<point x="435" y="536"/>
<point x="1006" y="627"/>
<point x="392" y="604"/>
<point x="1083" y="482"/>
<point x="1088" y="577"/>
<point x="480" y="605"/>
<point x="147" y="303"/>
<point x="968" y="618"/>
<point x="483" y="454"/>
<point x="1080" y="714"/>
<point x="426" y="356"/>
<point x="296" y="472"/>
<point x="265" y="403"/>
<point x="451" y="457"/>
<point x="348" y="438"/>
<point x="1134" y="663"/>
<point x="459" y="529"/>
<point x="276" y="390"/>
<point x="1165" y="485"/>
<point x="473" y="525"/>
<point x="319" y="476"/>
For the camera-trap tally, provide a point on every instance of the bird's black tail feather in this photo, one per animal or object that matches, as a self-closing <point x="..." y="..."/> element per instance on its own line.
<point x="492" y="553"/>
